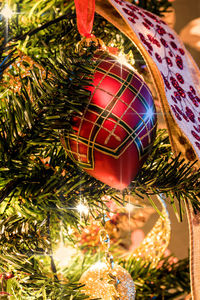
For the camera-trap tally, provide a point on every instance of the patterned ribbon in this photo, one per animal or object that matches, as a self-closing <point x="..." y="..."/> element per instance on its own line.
<point x="194" y="230"/>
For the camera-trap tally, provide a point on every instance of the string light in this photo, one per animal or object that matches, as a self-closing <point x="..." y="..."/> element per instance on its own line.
<point x="70" y="230"/>
<point x="82" y="209"/>
<point x="63" y="254"/>
<point x="130" y="207"/>
<point x="7" y="12"/>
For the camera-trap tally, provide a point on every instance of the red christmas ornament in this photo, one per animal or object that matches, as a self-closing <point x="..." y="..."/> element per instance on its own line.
<point x="115" y="132"/>
<point x="6" y="276"/>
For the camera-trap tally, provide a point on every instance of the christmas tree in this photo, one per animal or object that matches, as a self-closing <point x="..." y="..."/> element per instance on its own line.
<point x="47" y="200"/>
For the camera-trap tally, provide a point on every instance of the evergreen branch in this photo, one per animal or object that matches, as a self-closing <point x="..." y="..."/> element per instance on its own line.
<point x="8" y="189"/>
<point x="160" y="282"/>
<point x="53" y="266"/>
<point x="164" y="173"/>
<point x="40" y="28"/>
<point x="16" y="229"/>
<point x="30" y="242"/>
<point x="7" y="50"/>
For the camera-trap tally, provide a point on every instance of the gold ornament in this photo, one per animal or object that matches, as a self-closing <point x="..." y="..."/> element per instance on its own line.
<point x="21" y="68"/>
<point x="157" y="240"/>
<point x="107" y="283"/>
<point x="106" y="280"/>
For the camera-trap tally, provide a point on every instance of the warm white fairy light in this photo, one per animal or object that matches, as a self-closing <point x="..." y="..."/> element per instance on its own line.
<point x="63" y="254"/>
<point x="82" y="209"/>
<point x="6" y="12"/>
<point x="70" y="230"/>
<point x="129" y="207"/>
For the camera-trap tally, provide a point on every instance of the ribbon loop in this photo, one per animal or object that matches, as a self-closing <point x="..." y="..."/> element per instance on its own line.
<point x="85" y="16"/>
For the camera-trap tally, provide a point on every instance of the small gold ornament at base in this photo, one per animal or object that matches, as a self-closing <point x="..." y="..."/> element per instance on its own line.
<point x="102" y="281"/>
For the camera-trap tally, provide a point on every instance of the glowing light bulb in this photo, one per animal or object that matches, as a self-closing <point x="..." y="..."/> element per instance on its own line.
<point x="70" y="230"/>
<point x="63" y="254"/>
<point x="7" y="12"/>
<point x="129" y="207"/>
<point x="82" y="209"/>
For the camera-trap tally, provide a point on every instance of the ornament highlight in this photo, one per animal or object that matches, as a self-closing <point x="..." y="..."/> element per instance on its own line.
<point x="113" y="136"/>
<point x="101" y="281"/>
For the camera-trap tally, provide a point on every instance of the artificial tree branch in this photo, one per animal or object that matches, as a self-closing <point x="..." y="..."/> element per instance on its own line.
<point x="8" y="189"/>
<point x="38" y="29"/>
<point x="53" y="266"/>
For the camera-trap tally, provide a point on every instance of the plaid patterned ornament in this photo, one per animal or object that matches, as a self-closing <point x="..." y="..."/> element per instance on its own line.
<point x="115" y="132"/>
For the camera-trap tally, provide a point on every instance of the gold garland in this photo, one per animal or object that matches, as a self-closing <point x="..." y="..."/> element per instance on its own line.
<point x="157" y="240"/>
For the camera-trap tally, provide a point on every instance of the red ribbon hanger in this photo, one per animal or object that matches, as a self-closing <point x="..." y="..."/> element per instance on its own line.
<point x="85" y="16"/>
